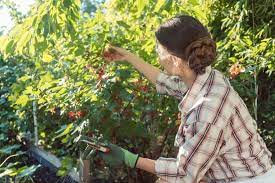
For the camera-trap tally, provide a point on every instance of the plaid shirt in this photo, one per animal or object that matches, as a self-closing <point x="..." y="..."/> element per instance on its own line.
<point x="217" y="137"/>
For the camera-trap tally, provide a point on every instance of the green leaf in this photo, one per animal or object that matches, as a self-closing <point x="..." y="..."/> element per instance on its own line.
<point x="123" y="24"/>
<point x="41" y="100"/>
<point x="46" y="27"/>
<point x="65" y="139"/>
<point x="29" y="90"/>
<point x="141" y="4"/>
<point x="22" y="100"/>
<point x="47" y="57"/>
<point x="194" y="2"/>
<point x="9" y="149"/>
<point x="7" y="172"/>
<point x="93" y="98"/>
<point x="41" y="46"/>
<point x="159" y="4"/>
<point x="62" y="91"/>
<point x="67" y="3"/>
<point x="61" y="172"/>
<point x="10" y="47"/>
<point x="27" y="171"/>
<point x="79" y="51"/>
<point x="46" y="78"/>
<point x="123" y="73"/>
<point x="32" y="50"/>
<point x="24" y="78"/>
<point x="168" y="5"/>
<point x="66" y="131"/>
<point x="22" y="42"/>
<point x="66" y="166"/>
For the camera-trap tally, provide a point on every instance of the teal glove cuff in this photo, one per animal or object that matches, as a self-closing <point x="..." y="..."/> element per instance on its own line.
<point x="131" y="159"/>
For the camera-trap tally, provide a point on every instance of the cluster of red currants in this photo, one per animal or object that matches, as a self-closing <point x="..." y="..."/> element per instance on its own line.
<point x="76" y="115"/>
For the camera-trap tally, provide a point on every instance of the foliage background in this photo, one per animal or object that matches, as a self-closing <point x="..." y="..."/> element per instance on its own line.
<point x="52" y="58"/>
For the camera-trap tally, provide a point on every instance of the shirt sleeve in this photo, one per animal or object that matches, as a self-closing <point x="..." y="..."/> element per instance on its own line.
<point x="171" y="85"/>
<point x="195" y="156"/>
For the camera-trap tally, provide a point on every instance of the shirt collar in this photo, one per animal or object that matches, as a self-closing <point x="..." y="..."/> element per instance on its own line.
<point x="199" y="82"/>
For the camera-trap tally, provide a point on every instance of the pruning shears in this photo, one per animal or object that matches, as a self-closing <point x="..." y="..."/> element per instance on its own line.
<point x="97" y="145"/>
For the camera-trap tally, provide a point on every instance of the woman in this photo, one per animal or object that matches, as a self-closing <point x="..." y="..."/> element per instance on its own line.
<point x="217" y="137"/>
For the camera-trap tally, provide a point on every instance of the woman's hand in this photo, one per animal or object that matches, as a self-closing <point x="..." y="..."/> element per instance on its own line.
<point x="118" y="156"/>
<point x="113" y="54"/>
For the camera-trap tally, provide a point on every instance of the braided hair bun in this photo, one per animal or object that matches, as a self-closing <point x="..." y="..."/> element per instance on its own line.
<point x="200" y="54"/>
<point x="185" y="37"/>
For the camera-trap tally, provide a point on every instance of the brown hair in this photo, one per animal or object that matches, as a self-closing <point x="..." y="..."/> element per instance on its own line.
<point x="185" y="37"/>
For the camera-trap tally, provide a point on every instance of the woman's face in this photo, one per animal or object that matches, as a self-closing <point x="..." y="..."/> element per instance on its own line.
<point x="171" y="64"/>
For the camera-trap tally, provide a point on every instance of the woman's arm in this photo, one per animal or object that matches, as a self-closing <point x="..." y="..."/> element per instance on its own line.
<point x="114" y="54"/>
<point x="150" y="71"/>
<point x="146" y="164"/>
<point x="165" y="84"/>
<point x="149" y="166"/>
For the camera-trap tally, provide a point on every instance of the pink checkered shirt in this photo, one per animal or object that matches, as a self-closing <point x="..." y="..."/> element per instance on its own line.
<point x="217" y="137"/>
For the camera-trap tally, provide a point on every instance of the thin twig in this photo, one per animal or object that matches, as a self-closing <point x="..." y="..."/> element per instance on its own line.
<point x="35" y="123"/>
<point x="256" y="71"/>
<point x="14" y="155"/>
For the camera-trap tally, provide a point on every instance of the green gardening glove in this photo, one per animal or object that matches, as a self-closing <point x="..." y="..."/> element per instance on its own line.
<point x="119" y="156"/>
